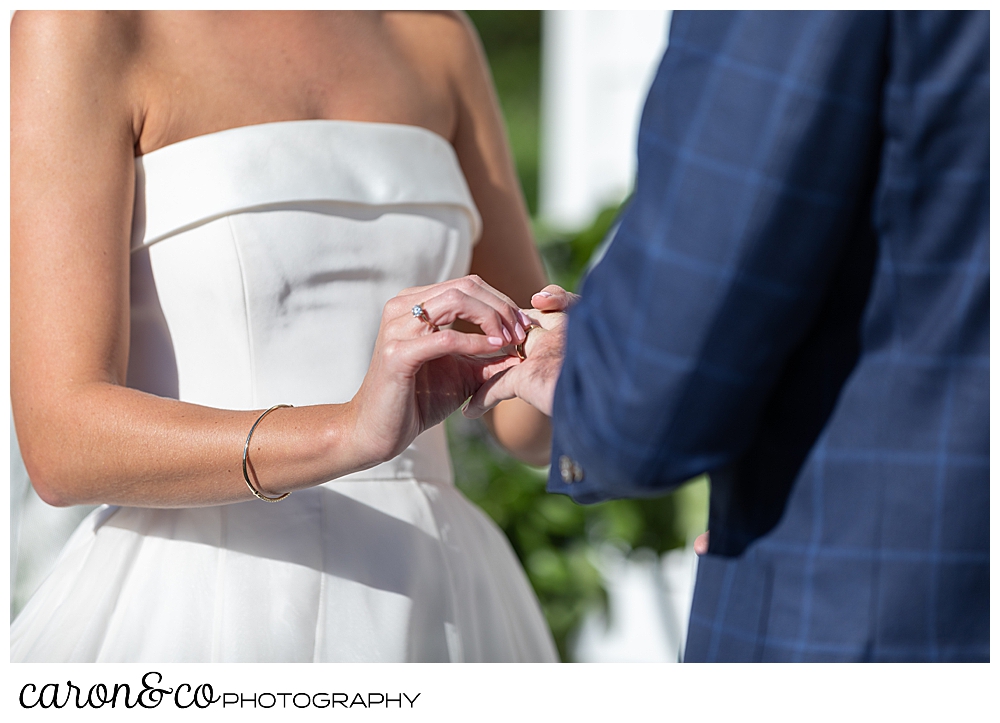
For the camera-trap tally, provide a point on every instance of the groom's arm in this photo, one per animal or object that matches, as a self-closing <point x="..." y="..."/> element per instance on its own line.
<point x="756" y="156"/>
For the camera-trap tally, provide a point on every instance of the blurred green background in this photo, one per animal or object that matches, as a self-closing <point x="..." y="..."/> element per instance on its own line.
<point x="555" y="539"/>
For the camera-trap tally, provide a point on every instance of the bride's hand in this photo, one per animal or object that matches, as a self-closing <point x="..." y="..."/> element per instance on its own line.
<point x="418" y="376"/>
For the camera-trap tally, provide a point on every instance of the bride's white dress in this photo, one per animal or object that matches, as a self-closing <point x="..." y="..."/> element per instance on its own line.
<point x="262" y="257"/>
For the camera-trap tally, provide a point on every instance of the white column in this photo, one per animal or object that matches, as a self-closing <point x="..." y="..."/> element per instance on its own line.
<point x="596" y="70"/>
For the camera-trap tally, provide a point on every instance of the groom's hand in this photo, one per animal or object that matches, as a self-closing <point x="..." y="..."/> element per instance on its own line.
<point x="554" y="298"/>
<point x="534" y="379"/>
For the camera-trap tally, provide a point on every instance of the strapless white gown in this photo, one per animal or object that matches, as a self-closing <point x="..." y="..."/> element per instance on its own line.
<point x="262" y="257"/>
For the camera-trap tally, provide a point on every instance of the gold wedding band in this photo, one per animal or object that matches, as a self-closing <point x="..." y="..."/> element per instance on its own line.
<point x="519" y="348"/>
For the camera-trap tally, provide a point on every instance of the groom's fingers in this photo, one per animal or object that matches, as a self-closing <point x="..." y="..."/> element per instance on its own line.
<point x="553" y="298"/>
<point x="489" y="366"/>
<point x="493" y="391"/>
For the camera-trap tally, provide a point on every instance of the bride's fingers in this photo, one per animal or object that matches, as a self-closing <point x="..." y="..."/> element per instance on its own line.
<point x="464" y="282"/>
<point x="474" y="286"/>
<point x="554" y="298"/>
<point x="454" y="304"/>
<point x="443" y="309"/>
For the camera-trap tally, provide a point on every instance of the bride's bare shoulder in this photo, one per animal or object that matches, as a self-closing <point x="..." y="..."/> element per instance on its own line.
<point x="444" y="37"/>
<point x="104" y="33"/>
<point x="447" y="42"/>
<point x="65" y="55"/>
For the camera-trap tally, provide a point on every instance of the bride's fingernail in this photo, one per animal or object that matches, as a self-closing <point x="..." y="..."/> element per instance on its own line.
<point x="519" y="333"/>
<point x="543" y="294"/>
<point x="506" y="335"/>
<point x="524" y="318"/>
<point x="495" y="340"/>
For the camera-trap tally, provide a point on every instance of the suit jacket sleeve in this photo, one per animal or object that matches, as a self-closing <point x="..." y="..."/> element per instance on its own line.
<point x="757" y="152"/>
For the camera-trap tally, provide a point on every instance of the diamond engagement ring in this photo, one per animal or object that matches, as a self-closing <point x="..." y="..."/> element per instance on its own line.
<point x="419" y="313"/>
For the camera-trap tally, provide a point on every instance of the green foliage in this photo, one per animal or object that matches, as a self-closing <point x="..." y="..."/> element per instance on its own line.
<point x="554" y="538"/>
<point x="512" y="41"/>
<point x="567" y="256"/>
<point x="548" y="532"/>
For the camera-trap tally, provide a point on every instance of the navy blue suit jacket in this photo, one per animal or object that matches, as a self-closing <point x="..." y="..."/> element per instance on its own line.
<point x="797" y="302"/>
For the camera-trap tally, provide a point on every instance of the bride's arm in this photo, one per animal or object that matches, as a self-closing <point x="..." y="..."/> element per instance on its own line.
<point x="506" y="256"/>
<point x="85" y="437"/>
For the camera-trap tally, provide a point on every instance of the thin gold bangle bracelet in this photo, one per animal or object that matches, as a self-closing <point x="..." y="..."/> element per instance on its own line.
<point x="246" y="451"/>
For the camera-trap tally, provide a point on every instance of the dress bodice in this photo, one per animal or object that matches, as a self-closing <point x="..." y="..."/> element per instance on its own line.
<point x="262" y="257"/>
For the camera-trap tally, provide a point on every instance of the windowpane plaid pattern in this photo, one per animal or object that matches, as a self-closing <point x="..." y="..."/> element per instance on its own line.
<point x="797" y="301"/>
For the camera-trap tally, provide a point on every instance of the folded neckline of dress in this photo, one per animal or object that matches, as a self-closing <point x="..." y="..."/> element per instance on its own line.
<point x="270" y="165"/>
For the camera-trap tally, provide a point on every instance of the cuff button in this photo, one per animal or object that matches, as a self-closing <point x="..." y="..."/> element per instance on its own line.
<point x="569" y="470"/>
